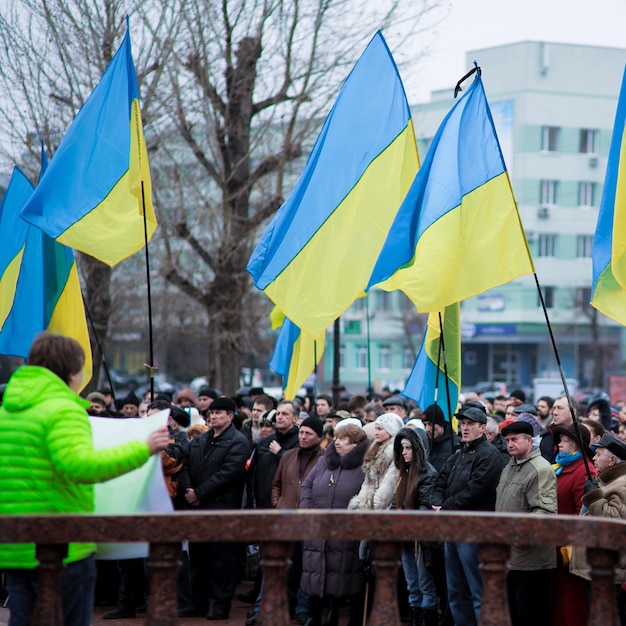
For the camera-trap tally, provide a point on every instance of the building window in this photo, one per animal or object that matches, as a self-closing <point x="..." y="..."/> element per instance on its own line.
<point x="586" y="194"/>
<point x="583" y="298"/>
<point x="384" y="300"/>
<point x="546" y="244"/>
<point x="548" y="192"/>
<point x="589" y="141"/>
<point x="584" y="246"/>
<point x="361" y="358"/>
<point x="408" y="359"/>
<point x="550" y="138"/>
<point x="384" y="357"/>
<point x="358" y="306"/>
<point x="342" y="357"/>
<point x="548" y="297"/>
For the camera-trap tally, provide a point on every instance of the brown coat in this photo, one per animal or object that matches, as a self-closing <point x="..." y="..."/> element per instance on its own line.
<point x="609" y="500"/>
<point x="287" y="479"/>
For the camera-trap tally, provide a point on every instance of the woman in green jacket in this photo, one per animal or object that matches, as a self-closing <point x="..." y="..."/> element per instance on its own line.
<point x="48" y="464"/>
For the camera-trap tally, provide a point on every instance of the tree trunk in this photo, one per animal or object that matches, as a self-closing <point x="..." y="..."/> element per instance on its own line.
<point x="97" y="295"/>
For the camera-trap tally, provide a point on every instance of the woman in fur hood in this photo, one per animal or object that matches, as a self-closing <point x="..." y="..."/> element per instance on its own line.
<point x="380" y="473"/>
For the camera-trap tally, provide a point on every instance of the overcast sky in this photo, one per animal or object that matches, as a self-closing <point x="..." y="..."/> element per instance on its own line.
<point x="473" y="24"/>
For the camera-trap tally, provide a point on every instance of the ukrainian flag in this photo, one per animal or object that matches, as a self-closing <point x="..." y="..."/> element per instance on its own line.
<point x="458" y="232"/>
<point x="46" y="292"/>
<point x="609" y="246"/>
<point x="13" y="232"/>
<point x="427" y="381"/>
<point x="91" y="196"/>
<point x="295" y="356"/>
<point x="317" y="254"/>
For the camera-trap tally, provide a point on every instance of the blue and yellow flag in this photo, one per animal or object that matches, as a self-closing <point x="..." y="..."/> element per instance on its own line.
<point x="458" y="232"/>
<point x="317" y="254"/>
<point x="47" y="294"/>
<point x="609" y="245"/>
<point x="91" y="197"/>
<point x="427" y="381"/>
<point x="13" y="234"/>
<point x="295" y="356"/>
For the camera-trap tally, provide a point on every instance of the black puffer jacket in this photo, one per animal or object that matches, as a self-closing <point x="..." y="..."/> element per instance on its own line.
<point x="468" y="479"/>
<point x="215" y="468"/>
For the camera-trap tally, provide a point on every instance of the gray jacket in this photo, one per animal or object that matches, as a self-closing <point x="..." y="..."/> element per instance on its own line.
<point x="528" y="486"/>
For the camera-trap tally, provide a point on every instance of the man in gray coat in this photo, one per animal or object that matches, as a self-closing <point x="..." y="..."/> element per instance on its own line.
<point x="527" y="485"/>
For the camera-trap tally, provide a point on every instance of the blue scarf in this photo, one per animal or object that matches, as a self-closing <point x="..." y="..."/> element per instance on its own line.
<point x="563" y="459"/>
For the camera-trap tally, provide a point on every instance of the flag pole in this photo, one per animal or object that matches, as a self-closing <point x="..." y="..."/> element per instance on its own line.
<point x="562" y="374"/>
<point x="369" y="362"/>
<point x="432" y="430"/>
<point x="150" y="365"/>
<point x="442" y="343"/>
<point x="100" y="350"/>
<point x="315" y="364"/>
<point x="336" y="333"/>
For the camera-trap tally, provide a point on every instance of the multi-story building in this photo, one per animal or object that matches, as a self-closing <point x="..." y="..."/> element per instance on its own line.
<point x="554" y="108"/>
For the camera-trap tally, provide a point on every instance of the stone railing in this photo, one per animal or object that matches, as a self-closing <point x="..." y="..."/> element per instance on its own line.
<point x="276" y="529"/>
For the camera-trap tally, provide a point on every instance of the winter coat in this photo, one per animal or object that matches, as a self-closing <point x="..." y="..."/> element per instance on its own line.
<point x="500" y="443"/>
<point x="570" y="484"/>
<point x="332" y="568"/>
<point x="528" y="486"/>
<point x="468" y="479"/>
<point x="379" y="471"/>
<point x="428" y="477"/>
<point x="609" y="500"/>
<point x="288" y="480"/>
<point x="48" y="463"/>
<point x="215" y="468"/>
<point x="266" y="464"/>
<point x="441" y="448"/>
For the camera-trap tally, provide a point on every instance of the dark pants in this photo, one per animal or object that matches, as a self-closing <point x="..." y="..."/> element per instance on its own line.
<point x="213" y="569"/>
<point x="530" y="599"/>
<point x="133" y="588"/>
<point x="77" y="591"/>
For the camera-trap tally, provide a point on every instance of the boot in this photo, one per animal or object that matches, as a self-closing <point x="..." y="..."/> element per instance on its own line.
<point x="121" y="612"/>
<point x="414" y="616"/>
<point x="429" y="617"/>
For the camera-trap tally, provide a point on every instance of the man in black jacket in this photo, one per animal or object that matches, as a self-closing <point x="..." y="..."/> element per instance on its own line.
<point x="213" y="478"/>
<point x="467" y="482"/>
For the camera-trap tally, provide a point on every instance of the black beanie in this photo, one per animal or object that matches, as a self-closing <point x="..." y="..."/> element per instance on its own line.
<point x="315" y="424"/>
<point x="433" y="413"/>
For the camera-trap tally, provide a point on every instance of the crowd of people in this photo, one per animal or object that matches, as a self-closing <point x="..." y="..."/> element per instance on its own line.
<point x="370" y="452"/>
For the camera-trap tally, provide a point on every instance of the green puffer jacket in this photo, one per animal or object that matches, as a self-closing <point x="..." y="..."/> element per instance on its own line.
<point x="47" y="460"/>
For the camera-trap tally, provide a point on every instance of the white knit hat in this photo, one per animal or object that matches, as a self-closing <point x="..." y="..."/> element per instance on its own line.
<point x="345" y="422"/>
<point x="391" y="422"/>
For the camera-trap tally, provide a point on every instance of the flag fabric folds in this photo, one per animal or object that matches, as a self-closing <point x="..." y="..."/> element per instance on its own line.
<point x="317" y="253"/>
<point x="427" y="381"/>
<point x="609" y="247"/>
<point x="46" y="292"/>
<point x="295" y="356"/>
<point x="90" y="197"/>
<point x="458" y="232"/>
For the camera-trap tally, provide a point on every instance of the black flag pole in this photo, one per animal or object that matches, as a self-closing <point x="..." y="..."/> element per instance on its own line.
<point x="432" y="430"/>
<point x="100" y="350"/>
<point x="369" y="362"/>
<point x="442" y="343"/>
<point x="150" y="366"/>
<point x="563" y="380"/>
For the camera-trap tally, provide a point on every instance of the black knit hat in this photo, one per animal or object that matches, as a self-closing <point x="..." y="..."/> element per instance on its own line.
<point x="315" y="424"/>
<point x="433" y="413"/>
<point x="223" y="404"/>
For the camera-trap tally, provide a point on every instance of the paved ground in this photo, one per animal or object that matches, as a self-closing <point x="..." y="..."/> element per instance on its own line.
<point x="237" y="616"/>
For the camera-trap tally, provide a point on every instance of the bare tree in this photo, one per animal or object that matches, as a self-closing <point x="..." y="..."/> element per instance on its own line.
<point x="232" y="94"/>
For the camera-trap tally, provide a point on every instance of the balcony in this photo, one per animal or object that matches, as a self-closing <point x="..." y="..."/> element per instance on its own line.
<point x="276" y="529"/>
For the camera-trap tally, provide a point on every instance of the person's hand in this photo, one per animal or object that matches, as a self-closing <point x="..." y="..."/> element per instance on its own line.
<point x="191" y="497"/>
<point x="158" y="440"/>
<point x="275" y="447"/>
<point x="590" y="485"/>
